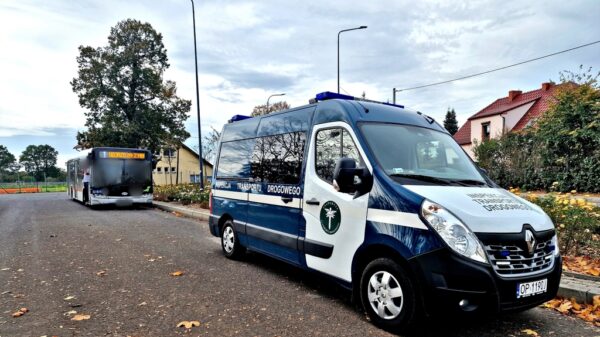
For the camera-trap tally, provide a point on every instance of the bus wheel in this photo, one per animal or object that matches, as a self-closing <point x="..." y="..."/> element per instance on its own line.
<point x="388" y="295"/>
<point x="230" y="243"/>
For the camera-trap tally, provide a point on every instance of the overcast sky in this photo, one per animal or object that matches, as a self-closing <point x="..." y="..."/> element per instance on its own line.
<point x="249" y="50"/>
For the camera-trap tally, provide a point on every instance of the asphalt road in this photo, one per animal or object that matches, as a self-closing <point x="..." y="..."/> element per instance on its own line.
<point x="116" y="265"/>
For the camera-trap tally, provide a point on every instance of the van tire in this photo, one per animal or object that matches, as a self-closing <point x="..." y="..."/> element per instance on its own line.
<point x="230" y="243"/>
<point x="394" y="293"/>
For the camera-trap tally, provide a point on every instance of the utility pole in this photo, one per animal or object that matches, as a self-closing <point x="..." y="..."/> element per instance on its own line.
<point x="198" y="103"/>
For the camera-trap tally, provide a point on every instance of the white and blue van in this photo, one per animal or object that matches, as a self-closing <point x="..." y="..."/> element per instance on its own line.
<point x="383" y="200"/>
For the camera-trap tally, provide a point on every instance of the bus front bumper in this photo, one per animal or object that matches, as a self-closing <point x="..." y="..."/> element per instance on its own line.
<point x="120" y="201"/>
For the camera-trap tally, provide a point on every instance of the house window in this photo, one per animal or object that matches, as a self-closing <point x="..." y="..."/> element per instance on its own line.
<point x="485" y="131"/>
<point x="169" y="152"/>
<point x="194" y="178"/>
<point x="173" y="169"/>
<point x="159" y="170"/>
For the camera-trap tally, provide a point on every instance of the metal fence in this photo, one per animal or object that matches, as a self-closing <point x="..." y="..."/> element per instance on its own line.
<point x="32" y="187"/>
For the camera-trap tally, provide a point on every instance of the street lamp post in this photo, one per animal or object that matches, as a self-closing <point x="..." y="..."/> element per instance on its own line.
<point x="198" y="102"/>
<point x="282" y="94"/>
<point x="338" y="53"/>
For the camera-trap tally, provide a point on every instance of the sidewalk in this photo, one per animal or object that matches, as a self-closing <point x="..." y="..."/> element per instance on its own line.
<point x="185" y="211"/>
<point x="580" y="287"/>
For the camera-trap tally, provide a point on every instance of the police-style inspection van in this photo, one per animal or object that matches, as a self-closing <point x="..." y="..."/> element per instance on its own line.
<point x="383" y="200"/>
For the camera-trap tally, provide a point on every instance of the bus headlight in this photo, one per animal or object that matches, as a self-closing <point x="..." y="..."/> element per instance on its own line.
<point x="456" y="234"/>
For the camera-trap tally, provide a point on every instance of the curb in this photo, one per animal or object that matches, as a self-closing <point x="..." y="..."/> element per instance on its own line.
<point x="582" y="289"/>
<point x="190" y="213"/>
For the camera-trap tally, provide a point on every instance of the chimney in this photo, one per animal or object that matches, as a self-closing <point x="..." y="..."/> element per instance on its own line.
<point x="512" y="94"/>
<point x="546" y="86"/>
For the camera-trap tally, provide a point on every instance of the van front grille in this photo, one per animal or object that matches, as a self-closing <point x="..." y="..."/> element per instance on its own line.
<point x="512" y="260"/>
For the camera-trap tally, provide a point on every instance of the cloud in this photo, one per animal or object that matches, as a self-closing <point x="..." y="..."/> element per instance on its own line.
<point x="249" y="50"/>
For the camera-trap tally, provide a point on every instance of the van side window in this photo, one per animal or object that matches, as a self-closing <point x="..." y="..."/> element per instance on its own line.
<point x="234" y="159"/>
<point x="278" y="158"/>
<point x="331" y="145"/>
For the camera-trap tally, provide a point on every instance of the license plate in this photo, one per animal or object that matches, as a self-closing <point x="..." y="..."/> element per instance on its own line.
<point x="532" y="288"/>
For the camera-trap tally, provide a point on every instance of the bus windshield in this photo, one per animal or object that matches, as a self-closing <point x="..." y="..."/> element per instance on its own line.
<point x="122" y="175"/>
<point x="416" y="155"/>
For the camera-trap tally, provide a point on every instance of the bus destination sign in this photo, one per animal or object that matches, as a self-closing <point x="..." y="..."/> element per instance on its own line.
<point x="122" y="155"/>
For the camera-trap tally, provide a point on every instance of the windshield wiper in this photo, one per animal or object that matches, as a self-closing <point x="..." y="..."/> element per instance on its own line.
<point x="423" y="178"/>
<point x="470" y="182"/>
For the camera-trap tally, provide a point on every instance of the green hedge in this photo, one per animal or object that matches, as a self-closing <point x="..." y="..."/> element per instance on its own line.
<point x="184" y="193"/>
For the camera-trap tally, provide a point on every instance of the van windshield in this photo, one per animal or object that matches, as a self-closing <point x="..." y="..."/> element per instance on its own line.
<point x="415" y="155"/>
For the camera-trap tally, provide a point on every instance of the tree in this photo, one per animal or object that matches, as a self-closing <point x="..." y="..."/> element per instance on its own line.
<point x="450" y="122"/>
<point x="261" y="110"/>
<point x="568" y="133"/>
<point x="39" y="160"/>
<point x="209" y="145"/>
<point x="122" y="89"/>
<point x="6" y="159"/>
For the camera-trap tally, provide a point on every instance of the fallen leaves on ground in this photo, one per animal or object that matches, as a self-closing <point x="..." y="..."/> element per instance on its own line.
<point x="582" y="264"/>
<point x="101" y="273"/>
<point x="80" y="317"/>
<point x="188" y="324"/>
<point x="20" y="313"/>
<point x="68" y="298"/>
<point x="587" y="312"/>
<point x="530" y="332"/>
<point x="177" y="273"/>
<point x="177" y="214"/>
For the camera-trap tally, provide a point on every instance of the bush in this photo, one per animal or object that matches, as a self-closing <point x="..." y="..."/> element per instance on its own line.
<point x="183" y="193"/>
<point x="577" y="221"/>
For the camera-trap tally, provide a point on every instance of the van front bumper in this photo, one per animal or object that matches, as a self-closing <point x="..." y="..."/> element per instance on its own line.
<point x="446" y="279"/>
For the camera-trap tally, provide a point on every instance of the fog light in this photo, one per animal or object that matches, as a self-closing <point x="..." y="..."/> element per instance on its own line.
<point x="467" y="306"/>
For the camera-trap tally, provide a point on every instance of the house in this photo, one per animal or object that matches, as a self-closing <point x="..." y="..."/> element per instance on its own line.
<point x="180" y="166"/>
<point x="511" y="113"/>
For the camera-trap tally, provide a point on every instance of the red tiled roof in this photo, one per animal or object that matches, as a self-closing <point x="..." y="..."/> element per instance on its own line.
<point x="540" y="97"/>
<point x="463" y="135"/>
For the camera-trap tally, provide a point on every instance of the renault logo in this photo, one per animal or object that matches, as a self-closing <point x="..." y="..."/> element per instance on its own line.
<point x="530" y="241"/>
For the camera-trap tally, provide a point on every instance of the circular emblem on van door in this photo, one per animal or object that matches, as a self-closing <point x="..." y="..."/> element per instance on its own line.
<point x="331" y="217"/>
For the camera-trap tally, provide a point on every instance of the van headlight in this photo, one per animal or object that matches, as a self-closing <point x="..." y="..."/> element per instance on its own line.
<point x="554" y="243"/>
<point x="458" y="236"/>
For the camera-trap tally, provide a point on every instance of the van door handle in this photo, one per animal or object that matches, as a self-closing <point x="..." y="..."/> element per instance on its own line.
<point x="313" y="201"/>
<point x="286" y="199"/>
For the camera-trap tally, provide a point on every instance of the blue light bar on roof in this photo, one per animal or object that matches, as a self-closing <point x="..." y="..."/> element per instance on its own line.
<point x="322" y="96"/>
<point x="237" y="118"/>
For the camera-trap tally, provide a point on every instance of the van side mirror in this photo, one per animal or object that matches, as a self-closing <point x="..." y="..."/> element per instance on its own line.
<point x="347" y="178"/>
<point x="482" y="170"/>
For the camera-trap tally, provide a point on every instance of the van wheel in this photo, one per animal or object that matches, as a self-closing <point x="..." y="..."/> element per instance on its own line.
<point x="388" y="295"/>
<point x="230" y="243"/>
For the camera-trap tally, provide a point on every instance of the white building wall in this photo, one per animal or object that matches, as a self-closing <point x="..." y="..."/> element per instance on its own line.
<point x="512" y="117"/>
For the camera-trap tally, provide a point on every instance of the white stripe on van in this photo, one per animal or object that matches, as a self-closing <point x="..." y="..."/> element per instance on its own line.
<point x="273" y="200"/>
<point x="395" y="218"/>
<point x="258" y="198"/>
<point x="230" y="194"/>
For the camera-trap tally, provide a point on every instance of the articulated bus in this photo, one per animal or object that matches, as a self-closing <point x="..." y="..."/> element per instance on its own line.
<point x="117" y="176"/>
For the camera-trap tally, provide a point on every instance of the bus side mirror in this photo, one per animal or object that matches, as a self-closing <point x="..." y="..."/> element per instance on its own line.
<point x="347" y="178"/>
